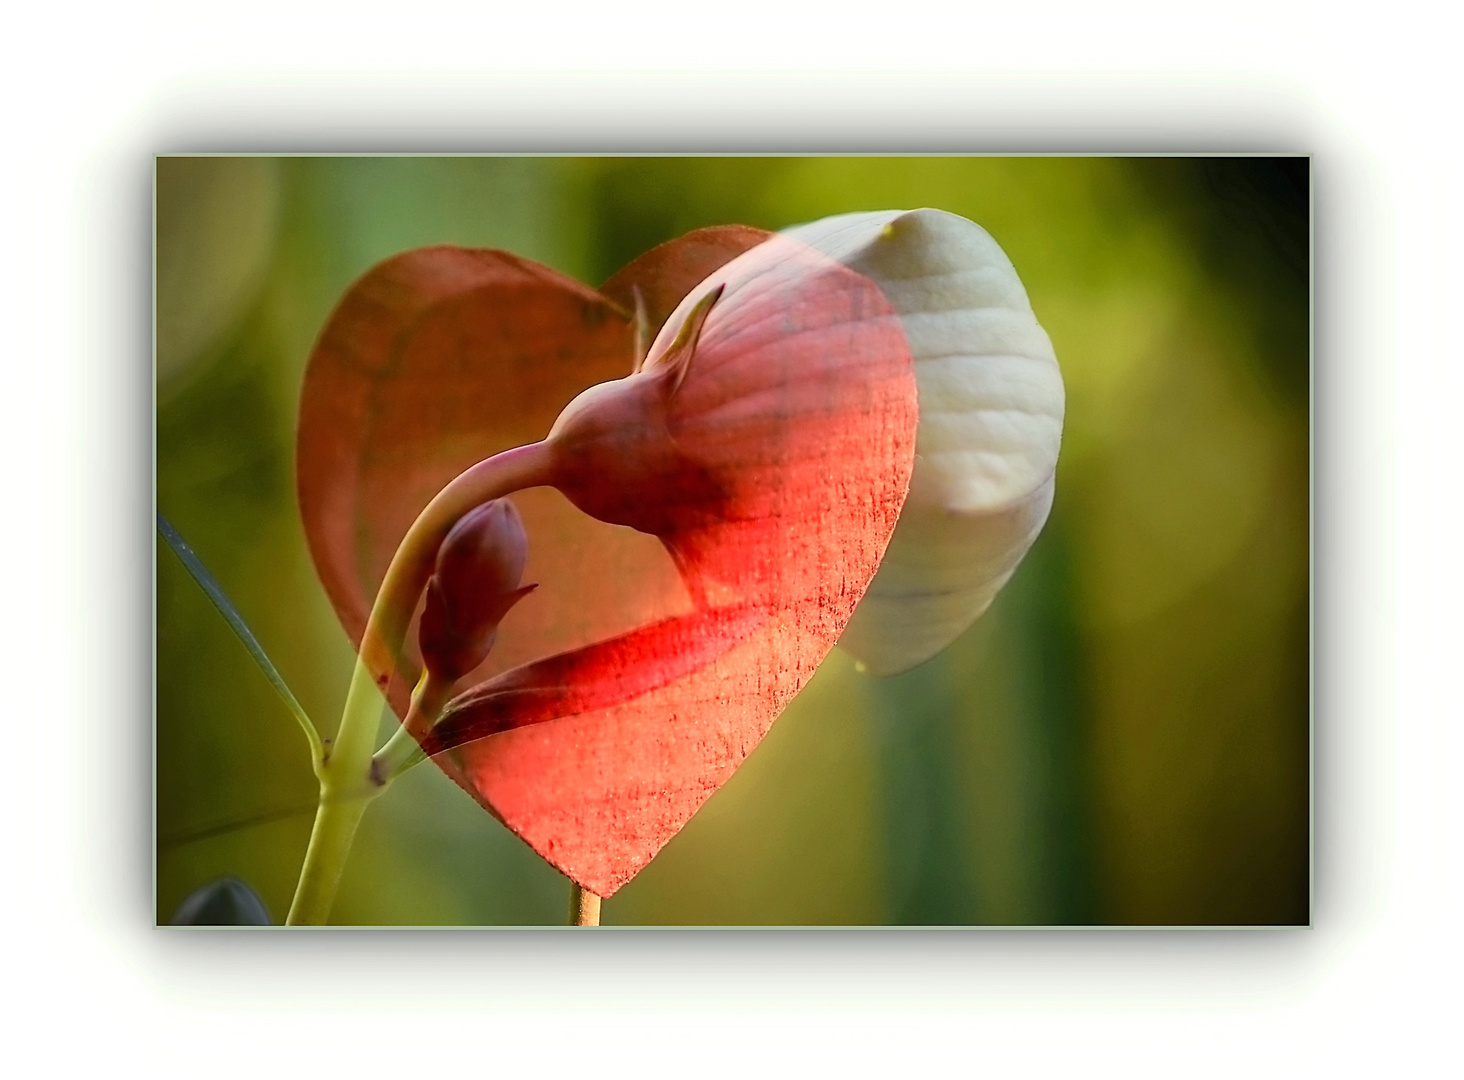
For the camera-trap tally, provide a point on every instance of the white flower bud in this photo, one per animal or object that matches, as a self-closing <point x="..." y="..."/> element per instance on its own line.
<point x="991" y="410"/>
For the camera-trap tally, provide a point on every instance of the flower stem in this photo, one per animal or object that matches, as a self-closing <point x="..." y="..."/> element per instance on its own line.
<point x="401" y="751"/>
<point x="348" y="781"/>
<point x="325" y="858"/>
<point x="220" y="599"/>
<point x="584" y="906"/>
<point x="345" y="790"/>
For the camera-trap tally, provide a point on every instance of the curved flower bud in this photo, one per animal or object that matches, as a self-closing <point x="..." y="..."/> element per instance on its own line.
<point x="991" y="411"/>
<point x="615" y="457"/>
<point x="474" y="583"/>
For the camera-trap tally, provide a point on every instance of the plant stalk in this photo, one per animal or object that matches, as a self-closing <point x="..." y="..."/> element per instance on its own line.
<point x="325" y="859"/>
<point x="348" y="780"/>
<point x="345" y="790"/>
<point x="402" y="751"/>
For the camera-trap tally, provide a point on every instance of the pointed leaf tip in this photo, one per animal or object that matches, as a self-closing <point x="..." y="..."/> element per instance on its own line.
<point x="679" y="355"/>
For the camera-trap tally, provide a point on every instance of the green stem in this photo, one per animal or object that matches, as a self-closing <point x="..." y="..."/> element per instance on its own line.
<point x="348" y="779"/>
<point x="345" y="790"/>
<point x="220" y="600"/>
<point x="325" y="858"/>
<point x="401" y="751"/>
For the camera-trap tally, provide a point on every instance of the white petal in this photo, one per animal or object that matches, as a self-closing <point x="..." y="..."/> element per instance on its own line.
<point x="991" y="410"/>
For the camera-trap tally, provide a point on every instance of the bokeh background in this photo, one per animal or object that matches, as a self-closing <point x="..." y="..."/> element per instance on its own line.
<point x="1122" y="738"/>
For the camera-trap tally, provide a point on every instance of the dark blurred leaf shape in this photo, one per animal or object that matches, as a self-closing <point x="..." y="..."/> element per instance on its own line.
<point x="225" y="902"/>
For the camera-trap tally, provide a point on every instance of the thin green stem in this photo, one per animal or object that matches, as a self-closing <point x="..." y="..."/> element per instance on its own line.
<point x="349" y="779"/>
<point x="345" y="791"/>
<point x="220" y="600"/>
<point x="325" y="858"/>
<point x="401" y="751"/>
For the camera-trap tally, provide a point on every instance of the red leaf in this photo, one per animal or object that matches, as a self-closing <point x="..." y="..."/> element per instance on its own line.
<point x="772" y="467"/>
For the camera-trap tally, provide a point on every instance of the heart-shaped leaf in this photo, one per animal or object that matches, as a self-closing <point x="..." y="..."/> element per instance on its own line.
<point x="771" y="465"/>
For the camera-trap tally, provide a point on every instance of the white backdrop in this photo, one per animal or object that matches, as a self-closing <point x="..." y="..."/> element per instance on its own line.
<point x="92" y="93"/>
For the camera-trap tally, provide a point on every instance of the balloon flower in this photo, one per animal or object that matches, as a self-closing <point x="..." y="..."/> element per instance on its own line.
<point x="744" y="449"/>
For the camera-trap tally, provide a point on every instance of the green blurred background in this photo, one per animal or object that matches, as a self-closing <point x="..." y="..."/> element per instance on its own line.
<point x="1122" y="738"/>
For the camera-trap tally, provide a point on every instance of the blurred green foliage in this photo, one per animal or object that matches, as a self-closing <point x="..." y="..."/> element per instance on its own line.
<point x="1123" y="738"/>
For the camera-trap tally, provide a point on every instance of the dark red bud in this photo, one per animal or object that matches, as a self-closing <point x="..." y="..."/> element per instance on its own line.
<point x="474" y="584"/>
<point x="615" y="452"/>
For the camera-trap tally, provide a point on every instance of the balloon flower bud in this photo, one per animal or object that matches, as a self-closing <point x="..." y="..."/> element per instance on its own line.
<point x="475" y="582"/>
<point x="687" y="442"/>
<point x="766" y="438"/>
<point x="615" y="456"/>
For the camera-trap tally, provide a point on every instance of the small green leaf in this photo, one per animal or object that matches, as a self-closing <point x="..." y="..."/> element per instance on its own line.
<point x="220" y="599"/>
